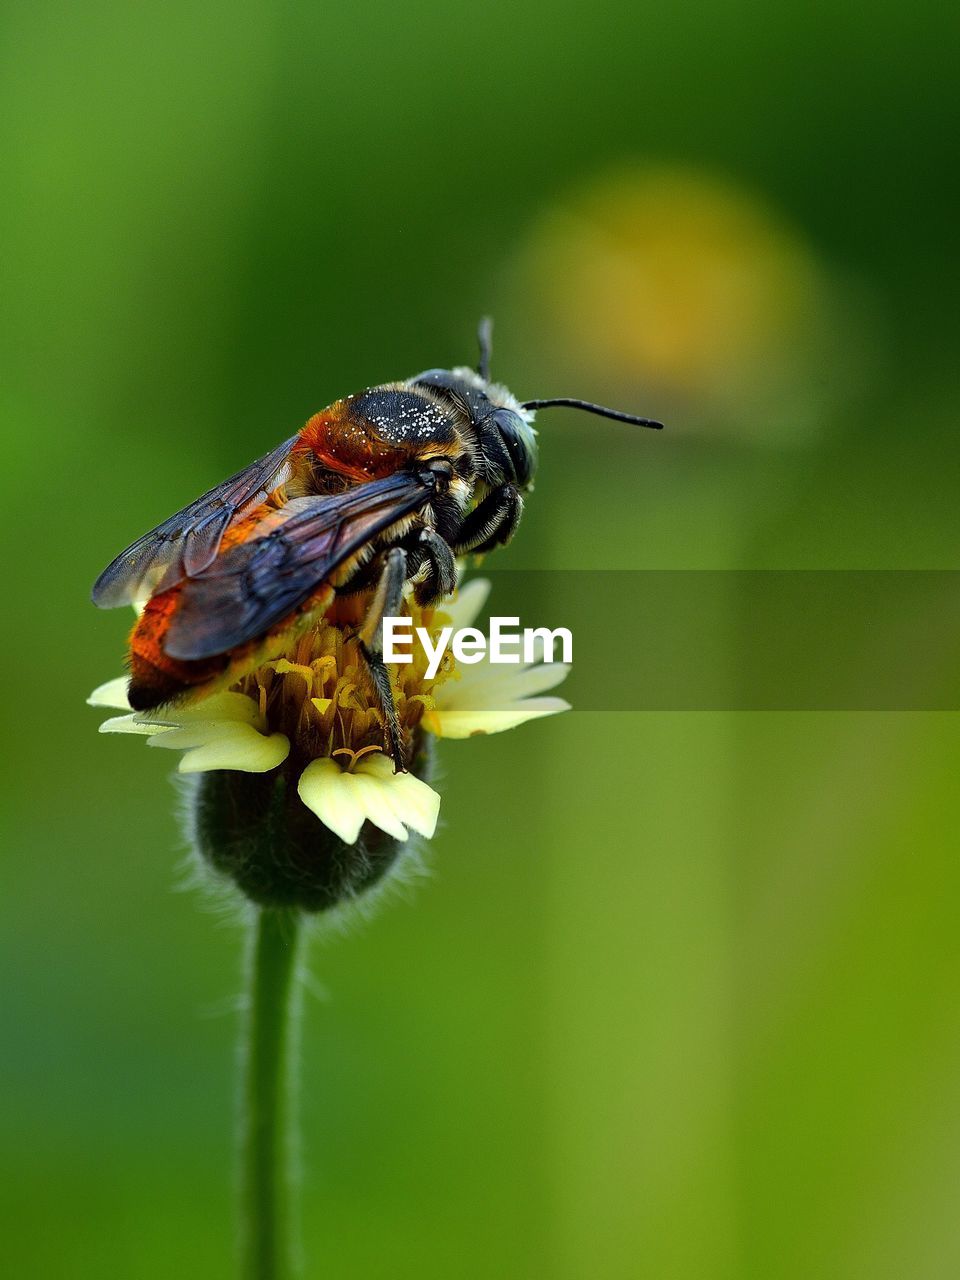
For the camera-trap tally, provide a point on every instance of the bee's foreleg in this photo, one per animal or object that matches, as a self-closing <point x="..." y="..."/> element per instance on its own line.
<point x="491" y="523"/>
<point x="431" y="567"/>
<point x="387" y="602"/>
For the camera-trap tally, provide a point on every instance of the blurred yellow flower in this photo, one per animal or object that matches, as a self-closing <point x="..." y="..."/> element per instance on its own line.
<point x="683" y="288"/>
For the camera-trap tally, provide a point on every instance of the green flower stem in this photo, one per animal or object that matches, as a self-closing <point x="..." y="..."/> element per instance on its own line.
<point x="268" y="1097"/>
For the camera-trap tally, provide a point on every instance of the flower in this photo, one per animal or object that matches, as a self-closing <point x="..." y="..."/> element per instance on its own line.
<point x="312" y="716"/>
<point x="695" y="289"/>
<point x="485" y="697"/>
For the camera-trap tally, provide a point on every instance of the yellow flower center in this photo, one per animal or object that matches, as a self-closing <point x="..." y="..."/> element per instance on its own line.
<point x="320" y="693"/>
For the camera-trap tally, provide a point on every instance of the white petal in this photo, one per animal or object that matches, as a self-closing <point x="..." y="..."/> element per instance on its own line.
<point x="325" y="789"/>
<point x="457" y="723"/>
<point x="112" y="694"/>
<point x="417" y="804"/>
<point x="224" y="745"/>
<point x="412" y="800"/>
<point x="538" y="679"/>
<point x="131" y="724"/>
<point x="219" y="707"/>
<point x="377" y="765"/>
<point x="376" y="799"/>
<point x="467" y="604"/>
<point x="254" y="753"/>
<point x="489" y="686"/>
<point x="182" y="737"/>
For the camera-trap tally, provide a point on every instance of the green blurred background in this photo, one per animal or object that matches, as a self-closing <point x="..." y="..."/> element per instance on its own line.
<point x="681" y="999"/>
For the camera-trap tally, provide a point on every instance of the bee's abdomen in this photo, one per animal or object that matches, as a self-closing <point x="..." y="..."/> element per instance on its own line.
<point x="155" y="677"/>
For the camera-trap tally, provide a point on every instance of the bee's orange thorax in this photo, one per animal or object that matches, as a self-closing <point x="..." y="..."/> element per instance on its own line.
<point x="351" y="447"/>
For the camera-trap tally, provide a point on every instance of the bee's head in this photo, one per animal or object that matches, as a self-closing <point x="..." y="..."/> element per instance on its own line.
<point x="505" y="439"/>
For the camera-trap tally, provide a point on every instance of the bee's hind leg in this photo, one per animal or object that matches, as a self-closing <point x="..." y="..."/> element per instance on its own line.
<point x="387" y="601"/>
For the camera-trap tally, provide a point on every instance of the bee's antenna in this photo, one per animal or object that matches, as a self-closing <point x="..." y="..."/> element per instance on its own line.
<point x="598" y="409"/>
<point x="485" y="341"/>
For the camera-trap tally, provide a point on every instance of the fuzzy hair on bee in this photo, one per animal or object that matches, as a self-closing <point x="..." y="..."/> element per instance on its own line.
<point x="381" y="492"/>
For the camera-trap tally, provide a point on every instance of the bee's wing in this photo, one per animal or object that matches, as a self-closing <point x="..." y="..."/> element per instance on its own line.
<point x="255" y="584"/>
<point x="188" y="542"/>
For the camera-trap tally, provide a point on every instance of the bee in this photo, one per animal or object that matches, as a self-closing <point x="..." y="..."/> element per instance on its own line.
<point x="378" y="493"/>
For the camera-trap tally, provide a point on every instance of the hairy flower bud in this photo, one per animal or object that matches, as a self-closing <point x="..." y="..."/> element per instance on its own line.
<point x="255" y="830"/>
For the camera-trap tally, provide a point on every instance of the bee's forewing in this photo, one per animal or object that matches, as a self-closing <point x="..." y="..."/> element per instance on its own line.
<point x="188" y="542"/>
<point x="252" y="586"/>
